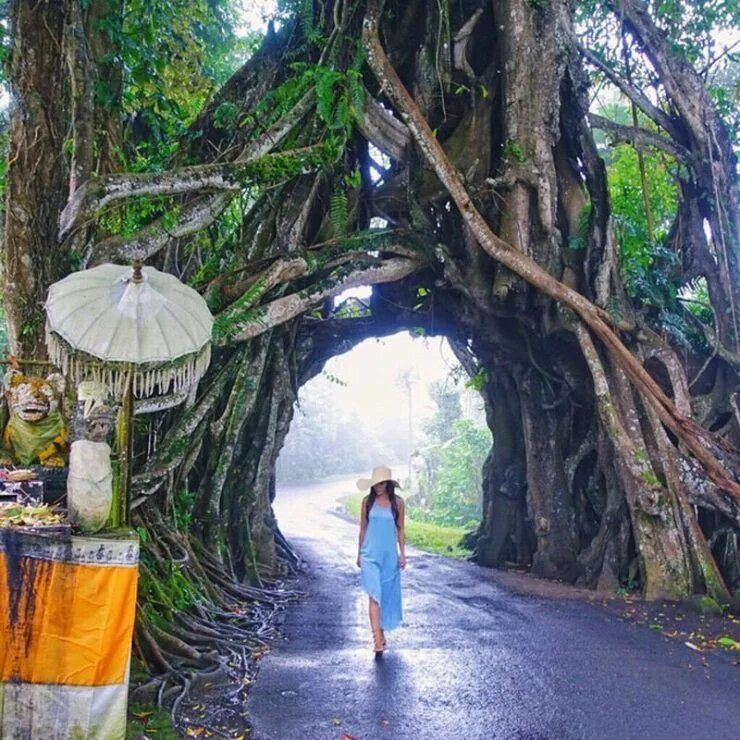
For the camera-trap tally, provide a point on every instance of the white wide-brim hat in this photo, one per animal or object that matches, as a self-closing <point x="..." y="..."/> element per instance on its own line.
<point x="379" y="474"/>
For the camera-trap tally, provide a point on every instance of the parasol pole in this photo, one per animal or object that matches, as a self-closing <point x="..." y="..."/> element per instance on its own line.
<point x="124" y="439"/>
<point x="124" y="435"/>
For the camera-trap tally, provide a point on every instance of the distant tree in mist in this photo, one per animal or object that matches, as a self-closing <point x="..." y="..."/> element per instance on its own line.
<point x="449" y="481"/>
<point x="449" y="408"/>
<point x="327" y="439"/>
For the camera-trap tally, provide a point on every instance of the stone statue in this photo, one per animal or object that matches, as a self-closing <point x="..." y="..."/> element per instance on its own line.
<point x="36" y="432"/>
<point x="90" y="479"/>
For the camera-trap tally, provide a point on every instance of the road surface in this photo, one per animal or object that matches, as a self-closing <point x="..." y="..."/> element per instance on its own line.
<point x="472" y="660"/>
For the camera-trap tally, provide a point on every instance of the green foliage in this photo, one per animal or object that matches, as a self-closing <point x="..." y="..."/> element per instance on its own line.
<point x="672" y="322"/>
<point x="353" y="179"/>
<point x="225" y="116"/>
<point x="168" y="56"/>
<point x="340" y="95"/>
<point x="183" y="509"/>
<point x="273" y="169"/>
<point x="4" y="342"/>
<point x="696" y="300"/>
<point x="452" y="493"/>
<point x="3" y="160"/>
<point x="580" y="239"/>
<point x="424" y="295"/>
<point x="339" y="212"/>
<point x="448" y="484"/>
<point x="192" y="40"/>
<point x="137" y="213"/>
<point x="350" y="309"/>
<point x="175" y="53"/>
<point x="725" y="91"/>
<point x="478" y="381"/>
<point x="652" y="272"/>
<point x="217" y="246"/>
<point x="728" y="643"/>
<point x="165" y="589"/>
<point x="304" y="12"/>
<point x="279" y="101"/>
<point x="699" y="31"/>
<point x="513" y="151"/>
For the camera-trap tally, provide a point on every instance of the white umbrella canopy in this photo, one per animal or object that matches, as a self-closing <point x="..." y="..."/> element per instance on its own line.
<point x="111" y="320"/>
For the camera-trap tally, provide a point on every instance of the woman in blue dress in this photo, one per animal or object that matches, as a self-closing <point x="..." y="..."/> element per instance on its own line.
<point x="382" y="552"/>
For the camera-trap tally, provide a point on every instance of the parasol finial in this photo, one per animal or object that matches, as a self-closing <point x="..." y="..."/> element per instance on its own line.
<point x="137" y="277"/>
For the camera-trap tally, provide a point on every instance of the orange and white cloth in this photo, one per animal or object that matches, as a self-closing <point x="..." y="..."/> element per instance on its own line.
<point x="67" y="610"/>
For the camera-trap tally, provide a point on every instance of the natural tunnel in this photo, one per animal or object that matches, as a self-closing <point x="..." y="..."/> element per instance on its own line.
<point x="551" y="497"/>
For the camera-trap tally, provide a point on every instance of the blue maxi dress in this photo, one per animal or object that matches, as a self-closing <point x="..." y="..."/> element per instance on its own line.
<point x="380" y="573"/>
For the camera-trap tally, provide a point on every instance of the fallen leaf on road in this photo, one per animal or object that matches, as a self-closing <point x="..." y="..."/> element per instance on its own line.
<point x="728" y="642"/>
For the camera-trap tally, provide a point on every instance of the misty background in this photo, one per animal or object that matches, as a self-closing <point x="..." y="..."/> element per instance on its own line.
<point x="402" y="401"/>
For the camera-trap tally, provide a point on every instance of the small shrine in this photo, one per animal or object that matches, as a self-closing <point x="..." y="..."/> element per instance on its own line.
<point x="116" y="336"/>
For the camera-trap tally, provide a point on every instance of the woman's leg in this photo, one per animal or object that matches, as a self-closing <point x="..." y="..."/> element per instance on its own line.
<point x="374" y="615"/>
<point x="374" y="610"/>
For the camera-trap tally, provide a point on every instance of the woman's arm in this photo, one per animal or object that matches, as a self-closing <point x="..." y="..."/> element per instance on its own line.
<point x="363" y="527"/>
<point x="401" y="532"/>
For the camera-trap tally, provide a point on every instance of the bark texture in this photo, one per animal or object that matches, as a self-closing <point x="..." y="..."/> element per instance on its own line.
<point x="37" y="177"/>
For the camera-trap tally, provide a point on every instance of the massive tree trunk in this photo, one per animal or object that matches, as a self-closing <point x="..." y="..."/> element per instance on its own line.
<point x="494" y="200"/>
<point x="37" y="177"/>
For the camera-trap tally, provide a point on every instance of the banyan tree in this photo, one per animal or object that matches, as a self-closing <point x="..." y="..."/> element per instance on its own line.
<point x="444" y="152"/>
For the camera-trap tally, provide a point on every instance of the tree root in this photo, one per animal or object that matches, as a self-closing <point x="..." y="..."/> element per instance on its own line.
<point x="218" y="636"/>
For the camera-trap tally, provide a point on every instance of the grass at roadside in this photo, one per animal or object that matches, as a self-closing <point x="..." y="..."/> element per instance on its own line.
<point x="425" y="536"/>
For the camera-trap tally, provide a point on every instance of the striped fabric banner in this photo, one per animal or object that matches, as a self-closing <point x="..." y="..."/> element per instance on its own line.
<point x="67" y="609"/>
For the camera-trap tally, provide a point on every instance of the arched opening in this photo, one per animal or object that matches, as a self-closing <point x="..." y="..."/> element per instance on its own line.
<point x="401" y="400"/>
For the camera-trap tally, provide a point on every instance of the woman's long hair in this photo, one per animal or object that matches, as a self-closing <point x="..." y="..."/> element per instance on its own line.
<point x="391" y="497"/>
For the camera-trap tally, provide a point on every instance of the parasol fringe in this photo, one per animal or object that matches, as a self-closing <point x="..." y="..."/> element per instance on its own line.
<point x="181" y="375"/>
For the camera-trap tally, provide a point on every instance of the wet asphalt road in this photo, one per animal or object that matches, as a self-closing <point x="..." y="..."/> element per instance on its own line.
<point x="472" y="660"/>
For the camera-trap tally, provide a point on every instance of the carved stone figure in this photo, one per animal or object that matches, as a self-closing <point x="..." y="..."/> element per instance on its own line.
<point x="90" y="479"/>
<point x="89" y="484"/>
<point x="36" y="432"/>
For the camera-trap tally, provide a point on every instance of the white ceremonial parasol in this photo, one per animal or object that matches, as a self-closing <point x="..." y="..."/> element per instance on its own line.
<point x="137" y="330"/>
<point x="112" y="320"/>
